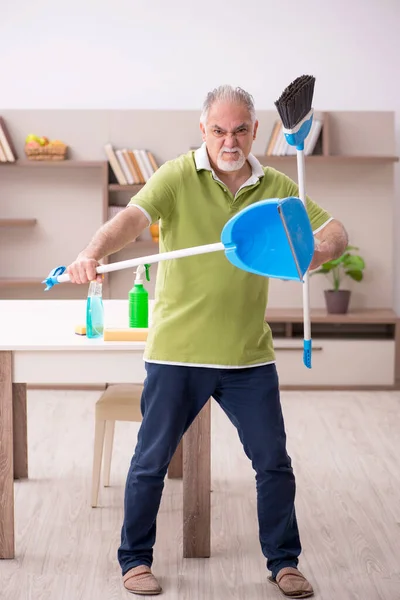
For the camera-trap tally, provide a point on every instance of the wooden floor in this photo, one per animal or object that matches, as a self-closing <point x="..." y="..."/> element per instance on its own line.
<point x="345" y="449"/>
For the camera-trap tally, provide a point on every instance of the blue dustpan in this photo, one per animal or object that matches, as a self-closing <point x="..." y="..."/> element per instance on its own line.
<point x="272" y="238"/>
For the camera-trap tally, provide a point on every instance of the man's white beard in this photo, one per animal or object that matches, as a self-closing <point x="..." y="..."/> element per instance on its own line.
<point x="234" y="165"/>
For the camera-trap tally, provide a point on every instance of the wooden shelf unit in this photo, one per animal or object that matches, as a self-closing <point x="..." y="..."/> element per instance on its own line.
<point x="20" y="281"/>
<point x="17" y="222"/>
<point x="116" y="187"/>
<point x="358" y="324"/>
<point x="79" y="171"/>
<point x="52" y="164"/>
<point x="356" y="167"/>
<point x="329" y="148"/>
<point x="345" y="349"/>
<point x="265" y="159"/>
<point x="362" y="316"/>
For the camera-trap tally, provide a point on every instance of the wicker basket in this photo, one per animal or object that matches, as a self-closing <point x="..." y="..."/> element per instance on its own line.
<point x="49" y="152"/>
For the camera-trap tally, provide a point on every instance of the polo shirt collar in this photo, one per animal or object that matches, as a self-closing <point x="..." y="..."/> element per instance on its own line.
<point x="203" y="162"/>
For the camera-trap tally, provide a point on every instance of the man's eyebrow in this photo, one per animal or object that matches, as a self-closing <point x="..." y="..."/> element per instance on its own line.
<point x="236" y="128"/>
<point x="217" y="127"/>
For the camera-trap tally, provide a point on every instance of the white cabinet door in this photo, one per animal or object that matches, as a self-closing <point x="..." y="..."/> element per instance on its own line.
<point x="337" y="362"/>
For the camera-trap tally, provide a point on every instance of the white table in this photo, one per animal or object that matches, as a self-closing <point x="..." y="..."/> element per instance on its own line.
<point x="38" y="345"/>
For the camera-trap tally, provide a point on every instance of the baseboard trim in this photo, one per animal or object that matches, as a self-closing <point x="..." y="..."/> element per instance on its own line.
<point x="341" y="388"/>
<point x="285" y="388"/>
<point x="78" y="387"/>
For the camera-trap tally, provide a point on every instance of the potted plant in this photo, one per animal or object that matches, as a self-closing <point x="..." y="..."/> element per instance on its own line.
<point x="350" y="265"/>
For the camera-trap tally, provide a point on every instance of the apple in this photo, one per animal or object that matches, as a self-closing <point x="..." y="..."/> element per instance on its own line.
<point x="43" y="141"/>
<point x="32" y="138"/>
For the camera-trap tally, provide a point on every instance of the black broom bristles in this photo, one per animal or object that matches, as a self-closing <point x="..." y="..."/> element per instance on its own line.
<point x="296" y="101"/>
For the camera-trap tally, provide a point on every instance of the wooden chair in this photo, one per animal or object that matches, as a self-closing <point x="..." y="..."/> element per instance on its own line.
<point x="119" y="402"/>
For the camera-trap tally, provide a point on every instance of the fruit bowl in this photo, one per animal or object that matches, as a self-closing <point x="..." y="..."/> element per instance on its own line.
<point x="40" y="148"/>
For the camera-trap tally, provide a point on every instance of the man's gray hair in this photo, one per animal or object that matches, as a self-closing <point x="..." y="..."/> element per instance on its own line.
<point x="226" y="93"/>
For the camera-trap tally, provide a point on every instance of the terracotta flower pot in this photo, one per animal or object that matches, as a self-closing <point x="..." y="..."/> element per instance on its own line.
<point x="337" y="302"/>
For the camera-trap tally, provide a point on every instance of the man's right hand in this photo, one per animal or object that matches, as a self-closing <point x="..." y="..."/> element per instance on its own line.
<point x="83" y="270"/>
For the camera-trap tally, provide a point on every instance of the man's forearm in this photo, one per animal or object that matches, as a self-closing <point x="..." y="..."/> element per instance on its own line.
<point x="115" y="234"/>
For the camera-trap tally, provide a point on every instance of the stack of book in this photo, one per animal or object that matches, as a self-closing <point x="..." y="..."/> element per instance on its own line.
<point x="7" y="150"/>
<point x="278" y="146"/>
<point x="131" y="166"/>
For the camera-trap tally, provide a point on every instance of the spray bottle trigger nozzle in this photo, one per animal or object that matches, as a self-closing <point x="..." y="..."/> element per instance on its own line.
<point x="147" y="267"/>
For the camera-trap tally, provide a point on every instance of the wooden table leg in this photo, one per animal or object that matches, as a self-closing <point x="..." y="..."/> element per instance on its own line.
<point x="175" y="469"/>
<point x="197" y="486"/>
<point x="20" y="431"/>
<point x="7" y="549"/>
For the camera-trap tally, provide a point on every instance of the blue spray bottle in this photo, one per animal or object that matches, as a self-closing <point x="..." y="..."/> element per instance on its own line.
<point x="95" y="310"/>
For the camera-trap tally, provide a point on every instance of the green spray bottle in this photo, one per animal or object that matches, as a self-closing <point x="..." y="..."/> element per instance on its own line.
<point x="139" y="300"/>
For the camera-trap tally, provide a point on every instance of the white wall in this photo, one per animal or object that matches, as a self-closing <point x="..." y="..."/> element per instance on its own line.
<point x="168" y="53"/>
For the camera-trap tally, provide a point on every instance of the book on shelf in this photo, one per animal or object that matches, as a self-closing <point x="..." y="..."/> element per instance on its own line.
<point x="7" y="150"/>
<point x="278" y="146"/>
<point x="131" y="166"/>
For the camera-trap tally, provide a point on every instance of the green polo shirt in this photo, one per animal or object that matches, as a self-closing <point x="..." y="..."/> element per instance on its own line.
<point x="208" y="312"/>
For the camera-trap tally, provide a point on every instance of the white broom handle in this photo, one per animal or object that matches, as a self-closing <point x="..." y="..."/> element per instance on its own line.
<point x="306" y="287"/>
<point x="153" y="258"/>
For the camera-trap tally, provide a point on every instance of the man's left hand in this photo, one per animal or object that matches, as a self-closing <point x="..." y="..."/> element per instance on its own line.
<point x="322" y="253"/>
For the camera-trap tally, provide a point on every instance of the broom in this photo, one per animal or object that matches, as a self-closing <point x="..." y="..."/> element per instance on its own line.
<point x="295" y="110"/>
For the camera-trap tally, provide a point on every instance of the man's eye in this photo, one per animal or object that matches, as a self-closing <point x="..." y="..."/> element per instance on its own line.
<point x="218" y="132"/>
<point x="242" y="130"/>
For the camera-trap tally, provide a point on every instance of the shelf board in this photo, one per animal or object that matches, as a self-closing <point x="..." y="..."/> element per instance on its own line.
<point x="264" y="159"/>
<point x="63" y="164"/>
<point x="370" y="315"/>
<point x="17" y="222"/>
<point x="116" y="187"/>
<point x="19" y="282"/>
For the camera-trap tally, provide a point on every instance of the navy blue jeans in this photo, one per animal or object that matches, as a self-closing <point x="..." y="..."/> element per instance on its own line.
<point x="172" y="398"/>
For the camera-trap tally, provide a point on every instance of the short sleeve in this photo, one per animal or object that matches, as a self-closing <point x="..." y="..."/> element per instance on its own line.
<point x="158" y="196"/>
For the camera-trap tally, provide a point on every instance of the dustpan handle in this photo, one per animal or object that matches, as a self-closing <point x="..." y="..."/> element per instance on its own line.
<point x="153" y="258"/>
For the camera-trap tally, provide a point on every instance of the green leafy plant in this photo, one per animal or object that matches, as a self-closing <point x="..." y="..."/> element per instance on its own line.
<point x="348" y="265"/>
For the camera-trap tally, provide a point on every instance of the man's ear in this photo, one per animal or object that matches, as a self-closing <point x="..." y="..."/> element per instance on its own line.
<point x="255" y="130"/>
<point x="203" y="132"/>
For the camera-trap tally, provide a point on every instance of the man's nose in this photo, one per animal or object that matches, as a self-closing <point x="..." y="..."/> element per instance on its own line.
<point x="230" y="140"/>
